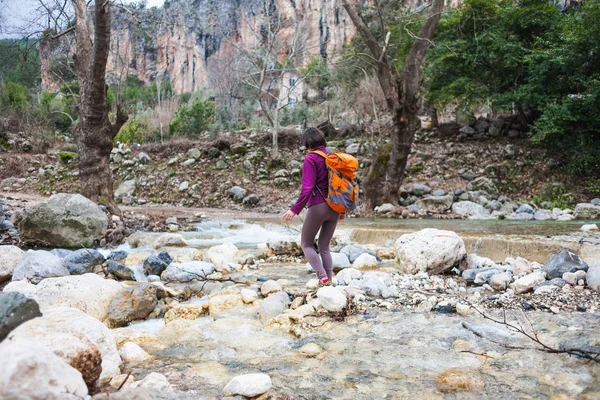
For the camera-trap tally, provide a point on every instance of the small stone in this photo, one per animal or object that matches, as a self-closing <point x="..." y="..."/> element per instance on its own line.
<point x="311" y="349"/>
<point x="463" y="309"/>
<point x="248" y="296"/>
<point x="589" y="227"/>
<point x="555" y="310"/>
<point x="131" y="353"/>
<point x="250" y="385"/>
<point x="581" y="308"/>
<point x="270" y="286"/>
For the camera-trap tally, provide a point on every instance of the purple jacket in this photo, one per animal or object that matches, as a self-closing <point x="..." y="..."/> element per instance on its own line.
<point x="314" y="175"/>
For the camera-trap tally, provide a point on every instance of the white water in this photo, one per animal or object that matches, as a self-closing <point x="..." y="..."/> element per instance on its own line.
<point x="242" y="234"/>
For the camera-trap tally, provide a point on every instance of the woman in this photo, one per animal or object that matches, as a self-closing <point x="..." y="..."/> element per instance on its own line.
<point x="319" y="215"/>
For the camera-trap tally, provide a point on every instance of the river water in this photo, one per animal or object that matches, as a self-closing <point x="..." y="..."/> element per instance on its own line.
<point x="376" y="353"/>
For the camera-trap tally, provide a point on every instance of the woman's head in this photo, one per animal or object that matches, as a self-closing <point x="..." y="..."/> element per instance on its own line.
<point x="313" y="138"/>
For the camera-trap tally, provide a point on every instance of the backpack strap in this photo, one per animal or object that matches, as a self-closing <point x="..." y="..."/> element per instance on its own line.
<point x="319" y="152"/>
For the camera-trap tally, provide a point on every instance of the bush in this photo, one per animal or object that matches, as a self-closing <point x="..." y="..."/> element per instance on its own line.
<point x="15" y="95"/>
<point x="192" y="118"/>
<point x="135" y="130"/>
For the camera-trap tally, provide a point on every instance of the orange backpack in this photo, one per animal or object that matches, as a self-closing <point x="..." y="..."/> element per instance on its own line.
<point x="342" y="193"/>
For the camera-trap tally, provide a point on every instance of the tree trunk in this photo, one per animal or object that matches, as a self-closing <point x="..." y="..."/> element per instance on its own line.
<point x="94" y="133"/>
<point x="403" y="96"/>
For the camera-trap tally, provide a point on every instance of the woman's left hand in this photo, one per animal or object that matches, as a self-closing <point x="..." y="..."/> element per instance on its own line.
<point x="288" y="216"/>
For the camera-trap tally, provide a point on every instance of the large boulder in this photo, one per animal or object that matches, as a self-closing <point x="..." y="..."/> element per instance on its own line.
<point x="250" y="385"/>
<point x="564" y="261"/>
<point x="586" y="211"/>
<point x="9" y="259"/>
<point x="431" y="250"/>
<point x="127" y="188"/>
<point x="15" y="309"/>
<point x="72" y="346"/>
<point x="83" y="261"/>
<point x="132" y="304"/>
<point x="436" y="203"/>
<point x="37" y="265"/>
<point x="188" y="271"/>
<point x="32" y="371"/>
<point x="64" y="220"/>
<point x="222" y="255"/>
<point x="593" y="277"/>
<point x="89" y="293"/>
<point x="469" y="209"/>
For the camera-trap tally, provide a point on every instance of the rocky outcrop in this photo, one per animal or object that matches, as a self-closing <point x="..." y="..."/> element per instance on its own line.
<point x="64" y="220"/>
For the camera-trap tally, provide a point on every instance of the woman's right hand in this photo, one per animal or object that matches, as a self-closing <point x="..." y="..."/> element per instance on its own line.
<point x="342" y="217"/>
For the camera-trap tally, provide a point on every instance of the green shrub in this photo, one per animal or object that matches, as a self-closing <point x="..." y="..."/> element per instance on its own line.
<point x="135" y="130"/>
<point x="192" y="118"/>
<point x="66" y="156"/>
<point x="15" y="95"/>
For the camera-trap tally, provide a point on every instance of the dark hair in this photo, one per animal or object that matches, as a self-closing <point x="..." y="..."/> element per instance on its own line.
<point x="313" y="138"/>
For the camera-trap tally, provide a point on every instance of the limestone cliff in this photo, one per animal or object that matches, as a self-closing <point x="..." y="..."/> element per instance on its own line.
<point x="187" y="42"/>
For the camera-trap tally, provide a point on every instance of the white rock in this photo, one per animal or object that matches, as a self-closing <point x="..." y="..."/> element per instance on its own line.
<point x="9" y="258"/>
<point x="573" y="278"/>
<point x="222" y="255"/>
<point x="249" y="385"/>
<point x="36" y="265"/>
<point x="183" y="186"/>
<point x="589" y="227"/>
<point x="431" y="250"/>
<point x="127" y="188"/>
<point x="384" y="208"/>
<point x="365" y="261"/>
<point x="565" y="217"/>
<point x="155" y="381"/>
<point x="274" y="305"/>
<point x="348" y="275"/>
<point x="463" y="309"/>
<point x="331" y="299"/>
<point x="474" y="262"/>
<point x="248" y="296"/>
<point x="270" y="286"/>
<point x="546" y="289"/>
<point x="340" y="261"/>
<point x="169" y="240"/>
<point x="312" y="284"/>
<point x="593" y="277"/>
<point x="311" y="349"/>
<point x="521" y="265"/>
<point x="31" y="371"/>
<point x="500" y="281"/>
<point x="131" y="353"/>
<point x="526" y="283"/>
<point x="89" y="293"/>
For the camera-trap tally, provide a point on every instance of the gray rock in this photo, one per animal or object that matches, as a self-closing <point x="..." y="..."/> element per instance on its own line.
<point x="413" y="207"/>
<point x="6" y="225"/>
<point x="183" y="186"/>
<point x="221" y="164"/>
<point x="83" y="261"/>
<point x="564" y="261"/>
<point x="188" y="271"/>
<point x="274" y="305"/>
<point x="118" y="255"/>
<point x="61" y="253"/>
<point x="419" y="189"/>
<point x="37" y="265"/>
<point x="467" y="130"/>
<point x="543" y="215"/>
<point x="15" y="309"/>
<point x="64" y="220"/>
<point x="500" y="281"/>
<point x="353" y="149"/>
<point x="10" y="256"/>
<point x="481" y="125"/>
<point x="521" y="217"/>
<point x="436" y="203"/>
<point x="282" y="173"/>
<point x="132" y="304"/>
<point x="156" y="264"/>
<point x="144" y="158"/>
<point x="251" y="200"/>
<point x="470" y="275"/>
<point x="127" y="188"/>
<point x="595" y="202"/>
<point x="237" y="193"/>
<point x="586" y="211"/>
<point x="438" y="192"/>
<point x="483" y="183"/>
<point x="352" y="251"/>
<point x="558" y="282"/>
<point x="194" y="153"/>
<point x="525" y="209"/>
<point x="120" y="271"/>
<point x="593" y="277"/>
<point x="469" y="209"/>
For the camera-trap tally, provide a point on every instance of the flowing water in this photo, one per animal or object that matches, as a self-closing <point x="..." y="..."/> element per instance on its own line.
<point x="380" y="354"/>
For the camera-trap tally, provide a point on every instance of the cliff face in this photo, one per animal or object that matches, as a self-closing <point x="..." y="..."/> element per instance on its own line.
<point x="191" y="42"/>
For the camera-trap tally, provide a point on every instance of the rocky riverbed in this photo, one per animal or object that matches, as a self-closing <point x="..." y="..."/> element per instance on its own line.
<point x="230" y="309"/>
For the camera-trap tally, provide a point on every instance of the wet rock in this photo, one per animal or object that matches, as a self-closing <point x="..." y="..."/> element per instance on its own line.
<point x="133" y="354"/>
<point x="469" y="209"/>
<point x="437" y="204"/>
<point x="90" y="293"/>
<point x="274" y="305"/>
<point x="169" y="240"/>
<point x="586" y="211"/>
<point x="249" y="385"/>
<point x="15" y="309"/>
<point x="431" y="250"/>
<point x="36" y="373"/>
<point x="593" y="277"/>
<point x="64" y="220"/>
<point x="9" y="259"/>
<point x="564" y="261"/>
<point x="185" y="272"/>
<point x="528" y="282"/>
<point x="61" y="253"/>
<point x="223" y="255"/>
<point x="36" y="265"/>
<point x="83" y="261"/>
<point x="269" y="287"/>
<point x="483" y="183"/>
<point x="459" y="380"/>
<point x="220" y="303"/>
<point x="331" y="299"/>
<point x="156" y="264"/>
<point x="353" y="251"/>
<point x="127" y="188"/>
<point x="120" y="271"/>
<point x="500" y="281"/>
<point x="132" y="304"/>
<point x="365" y="261"/>
<point x="186" y="311"/>
<point x="73" y="346"/>
<point x="237" y="193"/>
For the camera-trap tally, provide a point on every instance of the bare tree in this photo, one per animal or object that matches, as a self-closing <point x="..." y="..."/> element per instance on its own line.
<point x="402" y="91"/>
<point x="94" y="132"/>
